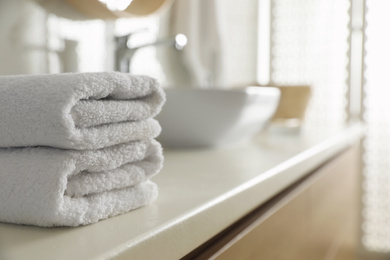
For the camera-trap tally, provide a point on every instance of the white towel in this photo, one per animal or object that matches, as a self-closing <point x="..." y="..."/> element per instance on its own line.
<point x="78" y="110"/>
<point x="55" y="187"/>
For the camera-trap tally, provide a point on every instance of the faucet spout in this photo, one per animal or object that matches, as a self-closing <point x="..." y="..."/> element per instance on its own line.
<point x="125" y="52"/>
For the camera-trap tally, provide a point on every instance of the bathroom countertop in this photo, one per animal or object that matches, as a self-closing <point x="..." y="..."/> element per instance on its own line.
<point x="201" y="193"/>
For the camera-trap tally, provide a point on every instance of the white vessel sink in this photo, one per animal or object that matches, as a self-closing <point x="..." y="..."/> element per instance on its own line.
<point x="213" y="117"/>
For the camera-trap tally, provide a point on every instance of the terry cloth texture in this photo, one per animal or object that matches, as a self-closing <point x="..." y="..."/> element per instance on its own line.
<point x="78" y="110"/>
<point x="55" y="187"/>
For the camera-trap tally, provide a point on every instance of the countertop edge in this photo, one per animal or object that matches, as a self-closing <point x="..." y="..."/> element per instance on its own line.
<point x="211" y="217"/>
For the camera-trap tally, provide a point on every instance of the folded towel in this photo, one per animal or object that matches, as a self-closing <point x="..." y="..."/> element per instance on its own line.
<point x="78" y="110"/>
<point x="55" y="187"/>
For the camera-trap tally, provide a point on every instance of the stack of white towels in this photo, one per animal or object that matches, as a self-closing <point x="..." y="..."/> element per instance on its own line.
<point x="77" y="148"/>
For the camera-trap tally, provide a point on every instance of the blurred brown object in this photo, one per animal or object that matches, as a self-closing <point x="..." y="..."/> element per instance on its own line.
<point x="293" y="102"/>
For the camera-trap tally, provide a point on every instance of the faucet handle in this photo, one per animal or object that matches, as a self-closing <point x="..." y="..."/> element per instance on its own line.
<point x="121" y="41"/>
<point x="180" y="41"/>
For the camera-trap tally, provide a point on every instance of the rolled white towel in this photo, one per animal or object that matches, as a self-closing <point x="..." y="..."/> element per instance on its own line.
<point x="55" y="187"/>
<point x="78" y="110"/>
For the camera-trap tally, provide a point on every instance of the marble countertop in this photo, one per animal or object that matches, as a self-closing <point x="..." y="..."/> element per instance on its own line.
<point x="201" y="193"/>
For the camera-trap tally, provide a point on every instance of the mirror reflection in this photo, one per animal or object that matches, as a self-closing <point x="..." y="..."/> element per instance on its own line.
<point x="178" y="42"/>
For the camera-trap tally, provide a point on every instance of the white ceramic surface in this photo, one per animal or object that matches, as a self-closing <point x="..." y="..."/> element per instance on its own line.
<point x="214" y="117"/>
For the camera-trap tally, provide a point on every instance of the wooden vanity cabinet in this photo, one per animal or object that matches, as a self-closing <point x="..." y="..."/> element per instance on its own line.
<point x="315" y="218"/>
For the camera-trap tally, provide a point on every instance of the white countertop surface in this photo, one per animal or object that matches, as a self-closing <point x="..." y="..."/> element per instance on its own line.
<point x="201" y="193"/>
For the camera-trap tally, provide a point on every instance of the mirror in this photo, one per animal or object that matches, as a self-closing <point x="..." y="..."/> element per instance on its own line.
<point x="55" y="36"/>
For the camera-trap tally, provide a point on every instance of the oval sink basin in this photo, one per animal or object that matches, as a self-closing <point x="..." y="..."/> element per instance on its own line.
<point x="215" y="117"/>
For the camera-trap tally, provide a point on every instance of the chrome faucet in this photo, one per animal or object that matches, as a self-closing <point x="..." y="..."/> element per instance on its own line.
<point x="124" y="52"/>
